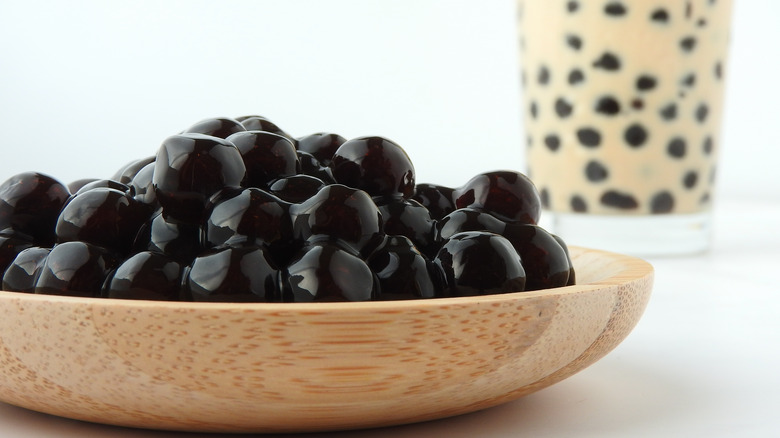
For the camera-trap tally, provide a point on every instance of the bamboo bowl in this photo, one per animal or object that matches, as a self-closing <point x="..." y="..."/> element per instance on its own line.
<point x="310" y="367"/>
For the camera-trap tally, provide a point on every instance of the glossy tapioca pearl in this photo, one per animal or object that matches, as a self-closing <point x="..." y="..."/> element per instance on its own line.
<point x="189" y="169"/>
<point x="105" y="184"/>
<point x="479" y="263"/>
<point x="75" y="269"/>
<point x="11" y="244"/>
<point x="76" y="185"/>
<point x="260" y="123"/>
<point x="325" y="272"/>
<point x="403" y="272"/>
<point x="22" y="273"/>
<point x="252" y="216"/>
<point x="146" y="276"/>
<point x="312" y="167"/>
<point x="375" y="165"/>
<point x="180" y="241"/>
<point x="30" y="204"/>
<point x="267" y="157"/>
<point x="467" y="219"/>
<point x="143" y="187"/>
<point x="508" y="195"/>
<point x="572" y="276"/>
<point x="407" y="217"/>
<point x="127" y="172"/>
<point x="221" y="127"/>
<point x="104" y="217"/>
<point x="436" y="198"/>
<point x="338" y="212"/>
<point x="297" y="188"/>
<point x="233" y="274"/>
<point x="322" y="145"/>
<point x="545" y="262"/>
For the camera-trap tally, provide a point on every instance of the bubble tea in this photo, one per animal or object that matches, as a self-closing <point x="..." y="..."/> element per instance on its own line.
<point x="622" y="106"/>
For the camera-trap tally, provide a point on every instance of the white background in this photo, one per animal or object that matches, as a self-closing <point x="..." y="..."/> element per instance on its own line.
<point x="88" y="86"/>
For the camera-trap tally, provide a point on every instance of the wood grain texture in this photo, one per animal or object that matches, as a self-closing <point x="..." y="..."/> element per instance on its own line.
<point x="310" y="367"/>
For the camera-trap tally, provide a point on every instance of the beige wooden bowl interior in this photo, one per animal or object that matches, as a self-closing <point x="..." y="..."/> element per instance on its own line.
<point x="310" y="367"/>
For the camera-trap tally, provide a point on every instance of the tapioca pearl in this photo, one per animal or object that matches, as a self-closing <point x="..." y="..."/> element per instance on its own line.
<point x="589" y="137"/>
<point x="574" y="41"/>
<point x="669" y="112"/>
<point x="533" y="109"/>
<point x="543" y="77"/>
<point x="635" y="135"/>
<point x="701" y="112"/>
<point x="662" y="202"/>
<point x="563" y="108"/>
<point x="544" y="197"/>
<point x="637" y="104"/>
<point x="572" y="6"/>
<point x="607" y="105"/>
<point x="705" y="198"/>
<point x="659" y="16"/>
<point x="576" y="76"/>
<point x="615" y="9"/>
<point x="718" y="69"/>
<point x="688" y="43"/>
<point x="578" y="204"/>
<point x="689" y="80"/>
<point x="690" y="179"/>
<point x="623" y="201"/>
<point x="701" y="22"/>
<point x="708" y="145"/>
<point x="676" y="147"/>
<point x="552" y="141"/>
<point x="595" y="171"/>
<point x="607" y="61"/>
<point x="646" y="83"/>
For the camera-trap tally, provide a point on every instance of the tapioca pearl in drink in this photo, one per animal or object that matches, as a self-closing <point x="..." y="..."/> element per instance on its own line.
<point x="634" y="86"/>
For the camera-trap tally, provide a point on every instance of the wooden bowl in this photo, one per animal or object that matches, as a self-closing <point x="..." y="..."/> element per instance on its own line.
<point x="309" y="367"/>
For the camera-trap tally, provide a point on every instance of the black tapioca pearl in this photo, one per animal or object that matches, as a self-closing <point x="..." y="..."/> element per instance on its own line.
<point x="623" y="201"/>
<point x="533" y="108"/>
<point x="669" y="112"/>
<point x="543" y="77"/>
<point x="688" y="10"/>
<point x="607" y="105"/>
<point x="688" y="43"/>
<point x="572" y="6"/>
<point x="578" y="204"/>
<point x="702" y="22"/>
<point x="690" y="179"/>
<point x="576" y="76"/>
<point x="544" y="196"/>
<point x="589" y="137"/>
<point x="688" y="80"/>
<point x="574" y="41"/>
<point x="637" y="104"/>
<point x="563" y="108"/>
<point x="718" y="70"/>
<point x="552" y="141"/>
<point x="660" y="15"/>
<point x="615" y="9"/>
<point x="635" y="135"/>
<point x="662" y="202"/>
<point x="645" y="83"/>
<point x="701" y="112"/>
<point x="708" y="145"/>
<point x="607" y="61"/>
<point x="595" y="171"/>
<point x="676" y="147"/>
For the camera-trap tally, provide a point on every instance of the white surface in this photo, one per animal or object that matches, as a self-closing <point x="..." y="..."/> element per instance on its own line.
<point x="86" y="86"/>
<point x="703" y="361"/>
